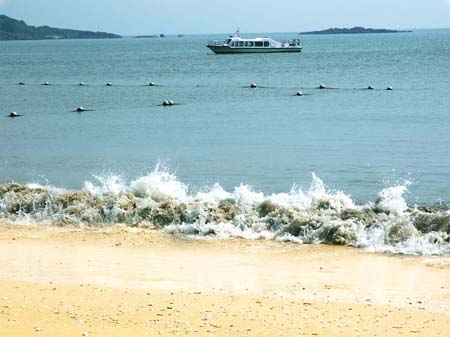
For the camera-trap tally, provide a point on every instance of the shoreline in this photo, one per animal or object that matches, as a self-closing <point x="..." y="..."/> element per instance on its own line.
<point x="66" y="282"/>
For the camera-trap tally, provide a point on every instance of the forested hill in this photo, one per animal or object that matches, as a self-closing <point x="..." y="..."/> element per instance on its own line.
<point x="354" y="30"/>
<point x="12" y="29"/>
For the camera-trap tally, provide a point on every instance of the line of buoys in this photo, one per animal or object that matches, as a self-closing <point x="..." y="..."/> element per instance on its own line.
<point x="252" y="85"/>
<point x="13" y="115"/>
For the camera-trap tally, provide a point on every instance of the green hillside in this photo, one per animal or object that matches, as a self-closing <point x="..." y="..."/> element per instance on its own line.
<point x="12" y="29"/>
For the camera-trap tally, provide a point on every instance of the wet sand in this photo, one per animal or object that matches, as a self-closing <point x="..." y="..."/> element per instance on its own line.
<point x="122" y="282"/>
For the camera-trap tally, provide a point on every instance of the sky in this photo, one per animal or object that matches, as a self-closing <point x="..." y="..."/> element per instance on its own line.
<point x="139" y="17"/>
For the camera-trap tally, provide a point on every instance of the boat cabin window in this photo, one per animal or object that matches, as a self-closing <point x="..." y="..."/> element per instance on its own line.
<point x="258" y="44"/>
<point x="266" y="43"/>
<point x="241" y="43"/>
<point x="228" y="41"/>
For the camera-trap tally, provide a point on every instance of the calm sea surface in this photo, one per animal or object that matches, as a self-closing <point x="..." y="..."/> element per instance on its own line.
<point x="356" y="140"/>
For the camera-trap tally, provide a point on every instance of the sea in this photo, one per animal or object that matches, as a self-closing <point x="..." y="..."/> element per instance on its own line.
<point x="343" y="165"/>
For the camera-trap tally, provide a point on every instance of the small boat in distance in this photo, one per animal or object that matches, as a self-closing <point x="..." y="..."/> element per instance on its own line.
<point x="236" y="44"/>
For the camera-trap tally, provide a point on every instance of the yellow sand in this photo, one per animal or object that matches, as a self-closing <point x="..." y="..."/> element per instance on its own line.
<point x="120" y="283"/>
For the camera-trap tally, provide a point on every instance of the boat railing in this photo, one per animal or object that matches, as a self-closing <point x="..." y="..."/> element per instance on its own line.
<point x="215" y="43"/>
<point x="292" y="42"/>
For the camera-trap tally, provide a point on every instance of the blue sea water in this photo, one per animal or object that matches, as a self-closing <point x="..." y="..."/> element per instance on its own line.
<point x="356" y="140"/>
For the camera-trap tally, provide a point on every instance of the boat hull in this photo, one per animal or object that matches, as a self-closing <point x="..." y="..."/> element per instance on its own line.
<point x="253" y="50"/>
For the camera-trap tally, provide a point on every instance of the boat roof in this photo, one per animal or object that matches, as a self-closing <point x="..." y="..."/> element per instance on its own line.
<point x="250" y="39"/>
<point x="237" y="37"/>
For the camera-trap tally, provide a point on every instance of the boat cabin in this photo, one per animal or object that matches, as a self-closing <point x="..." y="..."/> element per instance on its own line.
<point x="235" y="43"/>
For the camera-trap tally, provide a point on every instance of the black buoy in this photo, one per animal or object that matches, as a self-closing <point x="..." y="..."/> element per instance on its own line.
<point x="80" y="109"/>
<point x="166" y="103"/>
<point x="171" y="102"/>
<point x="299" y="93"/>
<point x="152" y="84"/>
<point x="13" y="115"/>
<point x="253" y="85"/>
<point x="108" y="84"/>
<point x="389" y="88"/>
<point x="81" y="84"/>
<point x="45" y="83"/>
<point x="370" y="87"/>
<point x="322" y="86"/>
<point x="21" y="83"/>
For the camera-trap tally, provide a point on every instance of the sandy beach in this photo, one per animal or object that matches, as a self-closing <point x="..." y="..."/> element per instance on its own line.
<point x="122" y="282"/>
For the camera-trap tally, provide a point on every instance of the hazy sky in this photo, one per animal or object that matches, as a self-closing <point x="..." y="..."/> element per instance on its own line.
<point x="130" y="17"/>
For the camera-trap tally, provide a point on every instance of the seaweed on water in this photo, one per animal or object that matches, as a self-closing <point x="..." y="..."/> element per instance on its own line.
<point x="12" y="187"/>
<point x="229" y="209"/>
<point x="297" y="227"/>
<point x="427" y="223"/>
<point x="266" y="207"/>
<point x="71" y="199"/>
<point x="400" y="232"/>
<point x="366" y="216"/>
<point x="166" y="214"/>
<point x="337" y="235"/>
<point x="145" y="213"/>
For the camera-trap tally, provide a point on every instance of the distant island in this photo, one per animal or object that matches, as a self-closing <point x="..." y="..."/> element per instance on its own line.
<point x="12" y="29"/>
<point x="354" y="30"/>
<point x="153" y="36"/>
<point x="149" y="36"/>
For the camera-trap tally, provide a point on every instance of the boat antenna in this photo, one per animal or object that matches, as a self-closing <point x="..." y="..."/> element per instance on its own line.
<point x="237" y="32"/>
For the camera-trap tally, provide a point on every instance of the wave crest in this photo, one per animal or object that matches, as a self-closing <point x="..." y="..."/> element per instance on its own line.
<point x="315" y="215"/>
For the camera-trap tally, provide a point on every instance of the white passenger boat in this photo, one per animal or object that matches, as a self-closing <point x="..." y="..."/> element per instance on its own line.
<point x="236" y="44"/>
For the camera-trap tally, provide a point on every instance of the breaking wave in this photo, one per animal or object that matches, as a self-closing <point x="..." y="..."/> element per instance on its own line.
<point x="314" y="215"/>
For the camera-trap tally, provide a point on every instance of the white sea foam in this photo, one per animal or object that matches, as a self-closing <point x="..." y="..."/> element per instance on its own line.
<point x="107" y="184"/>
<point x="159" y="185"/>
<point x="213" y="195"/>
<point x="313" y="215"/>
<point x="391" y="199"/>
